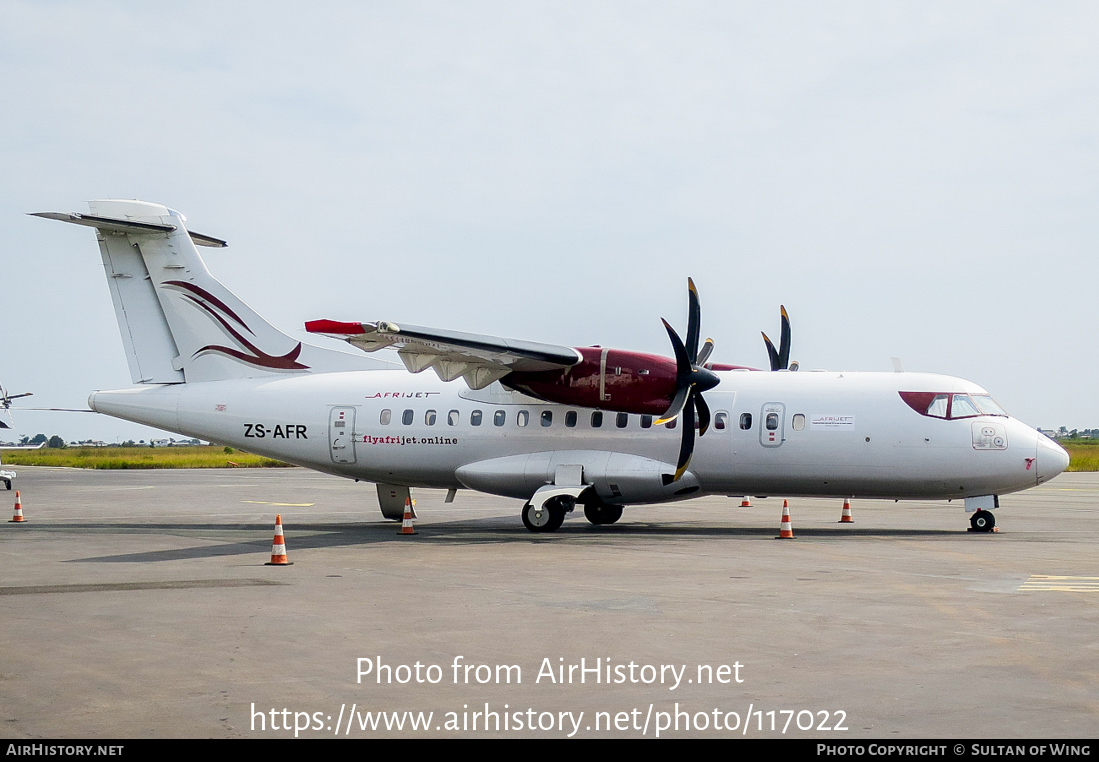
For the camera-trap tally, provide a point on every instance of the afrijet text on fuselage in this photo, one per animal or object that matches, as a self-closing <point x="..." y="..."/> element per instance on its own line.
<point x="552" y="426"/>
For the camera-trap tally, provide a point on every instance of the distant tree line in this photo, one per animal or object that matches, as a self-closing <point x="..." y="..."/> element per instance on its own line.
<point x="57" y="443"/>
<point x="1065" y="433"/>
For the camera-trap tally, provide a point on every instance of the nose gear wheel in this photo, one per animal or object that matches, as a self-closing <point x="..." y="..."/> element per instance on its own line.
<point x="982" y="521"/>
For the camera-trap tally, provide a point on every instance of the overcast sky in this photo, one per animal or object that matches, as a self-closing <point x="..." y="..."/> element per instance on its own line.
<point x="910" y="179"/>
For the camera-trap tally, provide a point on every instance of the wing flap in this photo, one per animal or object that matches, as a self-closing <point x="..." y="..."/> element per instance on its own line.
<point x="477" y="358"/>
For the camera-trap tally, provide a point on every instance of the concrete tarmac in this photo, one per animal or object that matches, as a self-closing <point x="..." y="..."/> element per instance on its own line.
<point x="137" y="604"/>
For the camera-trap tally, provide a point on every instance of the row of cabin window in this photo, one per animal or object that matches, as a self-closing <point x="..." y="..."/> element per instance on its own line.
<point x="522" y="418"/>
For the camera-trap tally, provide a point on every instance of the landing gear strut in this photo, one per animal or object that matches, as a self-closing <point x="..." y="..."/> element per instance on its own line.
<point x="549" y="516"/>
<point x="602" y="514"/>
<point x="982" y="521"/>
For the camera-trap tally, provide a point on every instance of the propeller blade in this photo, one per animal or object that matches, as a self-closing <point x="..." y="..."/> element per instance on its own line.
<point x="678" y="403"/>
<point x="772" y="353"/>
<point x="682" y="359"/>
<point x="692" y="378"/>
<point x="694" y="321"/>
<point x="705" y="352"/>
<point x="687" y="444"/>
<point x="780" y="358"/>
<point x="703" y="413"/>
<point x="784" y="341"/>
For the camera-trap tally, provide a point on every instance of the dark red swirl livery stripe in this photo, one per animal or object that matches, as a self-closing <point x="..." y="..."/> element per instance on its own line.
<point x="254" y="355"/>
<point x="184" y="286"/>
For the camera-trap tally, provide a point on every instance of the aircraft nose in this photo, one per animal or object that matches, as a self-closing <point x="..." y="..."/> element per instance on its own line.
<point x="1052" y="459"/>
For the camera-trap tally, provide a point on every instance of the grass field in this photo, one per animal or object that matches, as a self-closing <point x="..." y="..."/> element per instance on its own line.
<point x="139" y="457"/>
<point x="1084" y="454"/>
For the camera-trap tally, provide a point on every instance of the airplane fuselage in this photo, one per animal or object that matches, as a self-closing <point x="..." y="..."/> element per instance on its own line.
<point x="790" y="434"/>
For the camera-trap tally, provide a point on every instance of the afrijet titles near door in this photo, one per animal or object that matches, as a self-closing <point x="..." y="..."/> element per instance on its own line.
<point x="550" y="425"/>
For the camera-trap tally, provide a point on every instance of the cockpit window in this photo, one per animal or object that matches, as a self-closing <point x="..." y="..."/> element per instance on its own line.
<point x="988" y="405"/>
<point x="937" y="408"/>
<point x="962" y="406"/>
<point x="945" y="405"/>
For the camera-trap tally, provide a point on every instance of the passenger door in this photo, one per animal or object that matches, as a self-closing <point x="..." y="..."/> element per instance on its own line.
<point x="772" y="428"/>
<point x="341" y="434"/>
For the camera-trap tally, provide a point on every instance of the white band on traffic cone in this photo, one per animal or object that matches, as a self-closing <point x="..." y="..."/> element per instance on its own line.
<point x="278" y="546"/>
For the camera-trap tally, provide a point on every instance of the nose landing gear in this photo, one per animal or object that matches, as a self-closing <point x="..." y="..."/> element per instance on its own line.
<point x="982" y="521"/>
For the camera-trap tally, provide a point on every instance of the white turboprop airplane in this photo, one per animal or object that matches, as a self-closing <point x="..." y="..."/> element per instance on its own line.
<point x="549" y="425"/>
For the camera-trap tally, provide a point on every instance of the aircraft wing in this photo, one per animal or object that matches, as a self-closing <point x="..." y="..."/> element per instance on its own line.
<point x="477" y="358"/>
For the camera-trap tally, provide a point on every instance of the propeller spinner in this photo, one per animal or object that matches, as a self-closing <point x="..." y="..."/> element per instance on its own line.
<point x="692" y="378"/>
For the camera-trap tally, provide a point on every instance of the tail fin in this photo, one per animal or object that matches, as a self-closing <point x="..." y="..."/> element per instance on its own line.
<point x="179" y="323"/>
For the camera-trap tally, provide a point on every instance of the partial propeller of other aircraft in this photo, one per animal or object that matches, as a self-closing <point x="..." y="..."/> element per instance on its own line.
<point x="6" y="421"/>
<point x="5" y="398"/>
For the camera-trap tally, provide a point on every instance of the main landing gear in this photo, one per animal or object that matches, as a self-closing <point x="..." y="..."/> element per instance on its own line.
<point x="598" y="513"/>
<point x="549" y="516"/>
<point x="982" y="521"/>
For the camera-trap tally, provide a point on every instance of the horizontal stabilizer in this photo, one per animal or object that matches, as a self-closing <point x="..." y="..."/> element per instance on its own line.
<point x="113" y="225"/>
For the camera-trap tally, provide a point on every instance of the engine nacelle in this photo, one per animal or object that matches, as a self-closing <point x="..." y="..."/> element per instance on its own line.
<point x="608" y="379"/>
<point x="616" y="478"/>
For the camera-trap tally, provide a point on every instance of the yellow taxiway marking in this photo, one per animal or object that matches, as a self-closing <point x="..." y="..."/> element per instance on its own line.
<point x="289" y="505"/>
<point x="1056" y="584"/>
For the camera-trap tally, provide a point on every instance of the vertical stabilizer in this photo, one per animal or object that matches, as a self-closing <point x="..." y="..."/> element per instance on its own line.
<point x="150" y="349"/>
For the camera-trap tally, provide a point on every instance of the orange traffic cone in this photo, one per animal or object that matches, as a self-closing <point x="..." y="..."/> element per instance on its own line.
<point x="746" y="502"/>
<point x="278" y="546"/>
<point x="845" y="517"/>
<point x="785" y="530"/>
<point x="18" y="517"/>
<point x="406" y="522"/>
